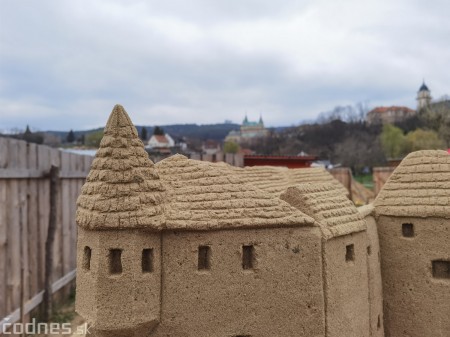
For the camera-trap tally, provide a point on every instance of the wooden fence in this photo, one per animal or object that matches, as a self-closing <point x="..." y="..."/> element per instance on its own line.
<point x="380" y="176"/>
<point x="24" y="219"/>
<point x="234" y="159"/>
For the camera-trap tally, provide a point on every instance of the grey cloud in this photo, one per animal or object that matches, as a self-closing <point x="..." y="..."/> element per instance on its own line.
<point x="65" y="64"/>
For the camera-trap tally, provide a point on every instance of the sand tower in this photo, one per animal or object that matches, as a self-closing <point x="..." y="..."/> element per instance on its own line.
<point x="345" y="265"/>
<point x="413" y="217"/>
<point x="119" y="215"/>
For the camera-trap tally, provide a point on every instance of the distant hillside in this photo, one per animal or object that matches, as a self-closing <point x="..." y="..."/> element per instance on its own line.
<point x="203" y="132"/>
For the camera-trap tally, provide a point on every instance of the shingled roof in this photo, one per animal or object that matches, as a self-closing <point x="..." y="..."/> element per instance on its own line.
<point x="202" y="197"/>
<point x="122" y="189"/>
<point x="327" y="205"/>
<point x="315" y="175"/>
<point x="419" y="187"/>
<point x="276" y="180"/>
<point x="271" y="179"/>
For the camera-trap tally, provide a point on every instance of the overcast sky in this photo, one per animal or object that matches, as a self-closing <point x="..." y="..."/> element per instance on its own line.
<point x="64" y="64"/>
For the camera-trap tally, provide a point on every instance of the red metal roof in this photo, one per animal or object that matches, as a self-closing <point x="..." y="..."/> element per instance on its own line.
<point x="287" y="161"/>
<point x="384" y="109"/>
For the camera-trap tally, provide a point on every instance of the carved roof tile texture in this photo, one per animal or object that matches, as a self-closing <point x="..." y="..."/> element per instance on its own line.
<point x="203" y="196"/>
<point x="419" y="187"/>
<point x="122" y="189"/>
<point x="276" y="180"/>
<point x="327" y="205"/>
<point x="315" y="175"/>
<point x="271" y="179"/>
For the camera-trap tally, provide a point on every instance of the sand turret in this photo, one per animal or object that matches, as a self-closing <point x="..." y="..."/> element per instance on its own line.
<point x="344" y="255"/>
<point x="413" y="214"/>
<point x="118" y="279"/>
<point x="122" y="190"/>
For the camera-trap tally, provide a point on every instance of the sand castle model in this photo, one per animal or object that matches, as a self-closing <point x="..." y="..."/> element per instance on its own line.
<point x="189" y="248"/>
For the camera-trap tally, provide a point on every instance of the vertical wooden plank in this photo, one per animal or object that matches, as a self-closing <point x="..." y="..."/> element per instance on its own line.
<point x="43" y="211"/>
<point x="13" y="150"/>
<point x="4" y="151"/>
<point x="13" y="247"/>
<point x="62" y="235"/>
<point x="4" y="158"/>
<point x="48" y="303"/>
<point x="79" y="164"/>
<point x="18" y="160"/>
<point x="68" y="164"/>
<point x="3" y="246"/>
<point x="58" y="271"/>
<point x="23" y="162"/>
<point x="87" y="163"/>
<point x="33" y="223"/>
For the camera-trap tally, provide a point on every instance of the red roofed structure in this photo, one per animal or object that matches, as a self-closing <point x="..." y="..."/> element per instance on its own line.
<point x="389" y="114"/>
<point x="286" y="161"/>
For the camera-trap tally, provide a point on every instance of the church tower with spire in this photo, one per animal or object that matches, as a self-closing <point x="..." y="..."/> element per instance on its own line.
<point x="423" y="97"/>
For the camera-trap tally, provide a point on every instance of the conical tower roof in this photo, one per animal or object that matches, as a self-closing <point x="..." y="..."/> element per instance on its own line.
<point x="122" y="189"/>
<point x="423" y="87"/>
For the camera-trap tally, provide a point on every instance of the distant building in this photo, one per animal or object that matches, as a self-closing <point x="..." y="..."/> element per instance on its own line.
<point x="423" y="97"/>
<point x="425" y="101"/>
<point x="389" y="115"/>
<point x="211" y="147"/>
<point x="248" y="131"/>
<point x="394" y="114"/>
<point x="160" y="141"/>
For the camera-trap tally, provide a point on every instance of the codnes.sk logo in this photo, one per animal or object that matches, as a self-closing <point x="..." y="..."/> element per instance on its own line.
<point x="34" y="328"/>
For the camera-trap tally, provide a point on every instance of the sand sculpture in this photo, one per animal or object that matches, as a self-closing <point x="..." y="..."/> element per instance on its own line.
<point x="190" y="248"/>
<point x="413" y="213"/>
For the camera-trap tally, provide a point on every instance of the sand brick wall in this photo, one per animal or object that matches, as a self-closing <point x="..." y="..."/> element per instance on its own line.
<point x="130" y="299"/>
<point x="281" y="296"/>
<point x="347" y="303"/>
<point x="375" y="282"/>
<point x="416" y="304"/>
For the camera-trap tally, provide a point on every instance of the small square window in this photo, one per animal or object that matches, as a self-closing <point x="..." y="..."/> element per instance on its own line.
<point x="147" y="260"/>
<point x="115" y="261"/>
<point x="441" y="269"/>
<point x="204" y="257"/>
<point x="248" y="257"/>
<point x="408" y="230"/>
<point x="350" y="253"/>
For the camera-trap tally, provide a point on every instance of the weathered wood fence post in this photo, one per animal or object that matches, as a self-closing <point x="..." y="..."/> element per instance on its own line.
<point x="54" y="177"/>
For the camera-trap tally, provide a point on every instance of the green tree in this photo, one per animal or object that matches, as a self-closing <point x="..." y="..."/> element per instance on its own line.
<point x="393" y="141"/>
<point x="231" y="147"/>
<point x="423" y="140"/>
<point x="437" y="118"/>
<point x="70" y="138"/>
<point x="144" y="134"/>
<point x="93" y="139"/>
<point x="32" y="137"/>
<point x="158" y="131"/>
